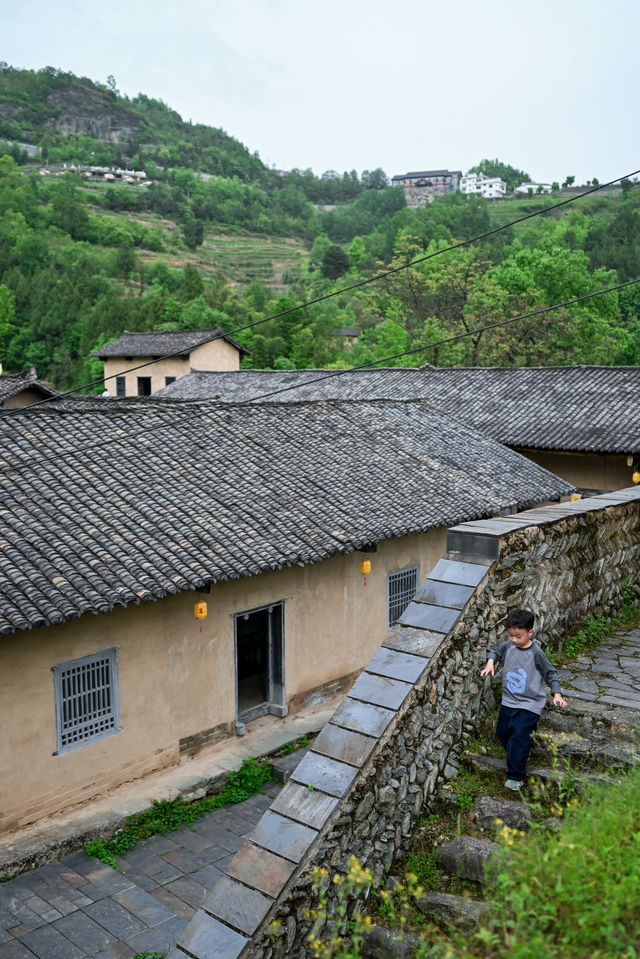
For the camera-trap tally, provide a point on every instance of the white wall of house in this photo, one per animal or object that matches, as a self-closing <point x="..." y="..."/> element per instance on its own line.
<point x="492" y="188"/>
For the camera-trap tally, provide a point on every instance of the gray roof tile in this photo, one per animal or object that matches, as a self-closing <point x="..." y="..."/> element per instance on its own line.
<point x="580" y="408"/>
<point x="13" y="383"/>
<point x="161" y="342"/>
<point x="107" y="503"/>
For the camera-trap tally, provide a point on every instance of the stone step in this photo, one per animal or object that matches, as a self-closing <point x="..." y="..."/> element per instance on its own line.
<point x="458" y="911"/>
<point x="568" y="746"/>
<point x="381" y="942"/>
<point x="601" y="722"/>
<point x="282" y="766"/>
<point x="487" y="809"/>
<point x="466" y="857"/>
<point x="499" y="767"/>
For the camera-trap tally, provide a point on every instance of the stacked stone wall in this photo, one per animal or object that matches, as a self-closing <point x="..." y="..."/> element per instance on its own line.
<point x="566" y="562"/>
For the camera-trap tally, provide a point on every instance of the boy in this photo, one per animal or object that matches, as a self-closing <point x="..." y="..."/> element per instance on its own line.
<point x="523" y="693"/>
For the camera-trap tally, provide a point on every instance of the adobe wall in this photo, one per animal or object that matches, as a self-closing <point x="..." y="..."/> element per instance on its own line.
<point x="217" y="355"/>
<point x="24" y="398"/>
<point x="588" y="471"/>
<point x="399" y="733"/>
<point x="177" y="684"/>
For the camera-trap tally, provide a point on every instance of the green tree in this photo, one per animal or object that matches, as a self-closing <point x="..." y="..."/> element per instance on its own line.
<point x="510" y="174"/>
<point x="126" y="260"/>
<point x="193" y="233"/>
<point x="335" y="262"/>
<point x="191" y="285"/>
<point x="7" y="319"/>
<point x="357" y="252"/>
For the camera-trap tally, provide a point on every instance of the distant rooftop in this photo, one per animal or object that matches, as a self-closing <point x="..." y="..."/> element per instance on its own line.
<point x="13" y="383"/>
<point x="162" y="342"/>
<point x="579" y="408"/>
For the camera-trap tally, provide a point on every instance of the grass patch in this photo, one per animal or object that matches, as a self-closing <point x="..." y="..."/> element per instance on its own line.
<point x="171" y="814"/>
<point x="569" y="894"/>
<point x="293" y="746"/>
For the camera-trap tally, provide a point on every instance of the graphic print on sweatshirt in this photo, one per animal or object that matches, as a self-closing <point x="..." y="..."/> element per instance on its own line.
<point x="516" y="680"/>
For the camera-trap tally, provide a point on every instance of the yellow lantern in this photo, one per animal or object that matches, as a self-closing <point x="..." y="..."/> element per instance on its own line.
<point x="200" y="611"/>
<point x="365" y="567"/>
<point x="636" y="477"/>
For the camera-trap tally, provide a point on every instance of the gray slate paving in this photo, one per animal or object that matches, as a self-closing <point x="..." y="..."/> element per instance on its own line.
<point x="79" y="908"/>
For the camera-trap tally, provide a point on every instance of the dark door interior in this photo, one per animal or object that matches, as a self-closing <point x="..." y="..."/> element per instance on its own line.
<point x="259" y="662"/>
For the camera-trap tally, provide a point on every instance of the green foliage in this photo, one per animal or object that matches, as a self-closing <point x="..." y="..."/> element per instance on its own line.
<point x="293" y="746"/>
<point x="568" y="894"/>
<point x="335" y="262"/>
<point x="79" y="264"/>
<point x="510" y="174"/>
<point x="171" y="814"/>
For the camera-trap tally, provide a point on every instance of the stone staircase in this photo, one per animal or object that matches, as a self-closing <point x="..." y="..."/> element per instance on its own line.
<point x="588" y="741"/>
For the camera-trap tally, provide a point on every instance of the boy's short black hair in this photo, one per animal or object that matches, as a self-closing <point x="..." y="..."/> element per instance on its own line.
<point x="520" y="619"/>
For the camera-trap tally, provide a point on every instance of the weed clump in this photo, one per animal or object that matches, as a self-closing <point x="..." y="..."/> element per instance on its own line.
<point x="171" y="814"/>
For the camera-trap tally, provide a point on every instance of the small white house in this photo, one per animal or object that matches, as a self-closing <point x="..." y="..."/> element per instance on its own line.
<point x="490" y="187"/>
<point x="534" y="187"/>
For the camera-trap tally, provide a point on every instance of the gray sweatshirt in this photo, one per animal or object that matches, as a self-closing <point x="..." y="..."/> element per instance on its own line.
<point x="524" y="675"/>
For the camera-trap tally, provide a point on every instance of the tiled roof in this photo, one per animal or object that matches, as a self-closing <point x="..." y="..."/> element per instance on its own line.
<point x="580" y="408"/>
<point x="296" y="385"/>
<point x="587" y="409"/>
<point x="116" y="502"/>
<point x="13" y="383"/>
<point x="161" y="343"/>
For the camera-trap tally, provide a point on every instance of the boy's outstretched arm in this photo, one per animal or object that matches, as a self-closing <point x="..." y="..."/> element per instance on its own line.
<point x="488" y="669"/>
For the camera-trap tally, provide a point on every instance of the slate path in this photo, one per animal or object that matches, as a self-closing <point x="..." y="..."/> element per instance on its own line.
<point x="78" y="908"/>
<point x="609" y="674"/>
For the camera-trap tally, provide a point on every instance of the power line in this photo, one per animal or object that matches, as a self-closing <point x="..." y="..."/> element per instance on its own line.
<point x="37" y="462"/>
<point x="448" y="339"/>
<point x="326" y="296"/>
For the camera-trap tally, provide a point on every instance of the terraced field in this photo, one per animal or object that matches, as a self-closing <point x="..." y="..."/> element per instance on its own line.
<point x="241" y="256"/>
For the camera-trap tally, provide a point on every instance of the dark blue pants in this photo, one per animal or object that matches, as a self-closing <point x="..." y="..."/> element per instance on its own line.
<point x="514" y="732"/>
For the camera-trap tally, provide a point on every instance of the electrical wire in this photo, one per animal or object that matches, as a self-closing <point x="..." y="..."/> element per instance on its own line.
<point x="325" y="296"/>
<point x="448" y="339"/>
<point x="38" y="461"/>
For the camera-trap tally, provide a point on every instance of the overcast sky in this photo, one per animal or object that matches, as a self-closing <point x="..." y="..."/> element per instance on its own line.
<point x="550" y="86"/>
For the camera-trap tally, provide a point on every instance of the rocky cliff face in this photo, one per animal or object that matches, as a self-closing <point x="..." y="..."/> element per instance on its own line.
<point x="90" y="113"/>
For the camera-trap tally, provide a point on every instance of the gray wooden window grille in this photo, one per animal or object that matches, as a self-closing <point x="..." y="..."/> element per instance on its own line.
<point x="401" y="588"/>
<point x="121" y="386"/>
<point x="86" y="693"/>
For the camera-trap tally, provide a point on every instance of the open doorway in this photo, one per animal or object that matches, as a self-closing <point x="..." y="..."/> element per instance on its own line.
<point x="259" y="646"/>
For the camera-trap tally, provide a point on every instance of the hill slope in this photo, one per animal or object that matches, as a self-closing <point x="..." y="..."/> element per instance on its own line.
<point x="47" y="107"/>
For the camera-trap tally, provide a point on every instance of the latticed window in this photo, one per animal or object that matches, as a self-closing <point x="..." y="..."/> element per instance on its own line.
<point x="86" y="693"/>
<point x="401" y="588"/>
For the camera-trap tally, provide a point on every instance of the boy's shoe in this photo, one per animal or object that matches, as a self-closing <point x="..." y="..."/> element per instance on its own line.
<point x="514" y="784"/>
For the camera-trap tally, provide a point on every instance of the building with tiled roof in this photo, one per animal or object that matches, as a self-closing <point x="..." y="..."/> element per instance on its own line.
<point x="134" y="511"/>
<point x="174" y="351"/>
<point x="23" y="389"/>
<point x="581" y="422"/>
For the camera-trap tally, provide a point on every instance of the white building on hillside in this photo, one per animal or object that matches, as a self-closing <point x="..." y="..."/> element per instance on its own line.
<point x="534" y="187"/>
<point x="490" y="187"/>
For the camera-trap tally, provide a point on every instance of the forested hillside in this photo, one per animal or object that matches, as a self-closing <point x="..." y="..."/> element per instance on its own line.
<point x="218" y="238"/>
